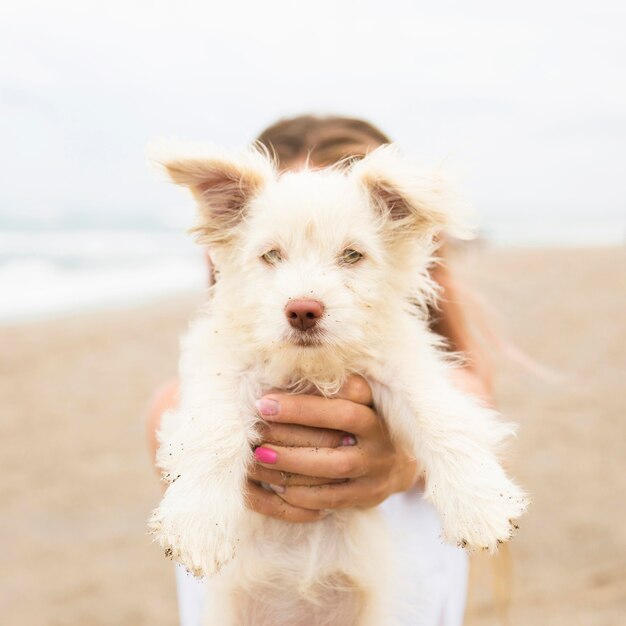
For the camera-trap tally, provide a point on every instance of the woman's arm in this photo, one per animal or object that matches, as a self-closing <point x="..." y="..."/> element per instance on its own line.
<point x="452" y="322"/>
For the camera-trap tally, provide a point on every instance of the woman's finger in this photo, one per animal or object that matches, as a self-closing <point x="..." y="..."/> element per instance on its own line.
<point x="343" y="462"/>
<point x="262" y="474"/>
<point x="295" y="435"/>
<point x="268" y="503"/>
<point x="354" y="493"/>
<point x="334" y="414"/>
<point x="356" y="389"/>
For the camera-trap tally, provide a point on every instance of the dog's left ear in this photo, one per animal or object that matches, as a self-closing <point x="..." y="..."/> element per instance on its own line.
<point x="222" y="185"/>
<point x="411" y="201"/>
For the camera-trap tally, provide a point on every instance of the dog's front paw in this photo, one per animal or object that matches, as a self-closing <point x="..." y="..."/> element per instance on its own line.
<point x="485" y="518"/>
<point x="199" y="542"/>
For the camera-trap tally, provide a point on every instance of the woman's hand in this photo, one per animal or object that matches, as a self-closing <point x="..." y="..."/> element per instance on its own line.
<point x="320" y="454"/>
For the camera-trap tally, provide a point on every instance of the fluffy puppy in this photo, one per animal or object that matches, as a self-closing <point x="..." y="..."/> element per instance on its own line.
<point x="322" y="274"/>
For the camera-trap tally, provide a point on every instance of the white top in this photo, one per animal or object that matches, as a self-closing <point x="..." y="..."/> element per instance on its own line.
<point x="434" y="573"/>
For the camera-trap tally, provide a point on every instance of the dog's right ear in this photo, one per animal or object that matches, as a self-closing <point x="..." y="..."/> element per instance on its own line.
<point x="222" y="186"/>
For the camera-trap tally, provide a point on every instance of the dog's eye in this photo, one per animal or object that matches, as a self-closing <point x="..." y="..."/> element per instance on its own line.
<point x="271" y="257"/>
<point x="350" y="256"/>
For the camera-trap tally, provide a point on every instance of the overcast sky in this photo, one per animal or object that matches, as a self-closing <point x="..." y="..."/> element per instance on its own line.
<point x="525" y="101"/>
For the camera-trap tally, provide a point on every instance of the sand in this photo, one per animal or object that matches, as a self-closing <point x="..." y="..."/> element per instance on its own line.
<point x="78" y="485"/>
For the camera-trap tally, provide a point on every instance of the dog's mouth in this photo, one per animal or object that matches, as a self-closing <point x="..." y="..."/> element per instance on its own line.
<point x="306" y="338"/>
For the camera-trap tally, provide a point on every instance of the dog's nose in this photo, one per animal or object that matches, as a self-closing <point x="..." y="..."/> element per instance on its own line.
<point x="303" y="314"/>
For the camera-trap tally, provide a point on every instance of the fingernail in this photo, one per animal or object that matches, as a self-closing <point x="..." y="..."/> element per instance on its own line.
<point x="277" y="488"/>
<point x="267" y="406"/>
<point x="265" y="455"/>
<point x="348" y="440"/>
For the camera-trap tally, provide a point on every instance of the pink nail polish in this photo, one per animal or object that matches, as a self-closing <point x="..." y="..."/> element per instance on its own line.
<point x="348" y="440"/>
<point x="267" y="406"/>
<point x="265" y="455"/>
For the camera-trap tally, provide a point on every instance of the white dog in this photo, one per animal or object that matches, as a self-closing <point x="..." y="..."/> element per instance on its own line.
<point x="322" y="274"/>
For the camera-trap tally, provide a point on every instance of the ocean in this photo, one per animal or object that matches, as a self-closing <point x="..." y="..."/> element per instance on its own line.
<point x="48" y="273"/>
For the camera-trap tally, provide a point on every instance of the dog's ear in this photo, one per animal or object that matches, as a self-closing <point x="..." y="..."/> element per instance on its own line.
<point x="222" y="186"/>
<point x="410" y="200"/>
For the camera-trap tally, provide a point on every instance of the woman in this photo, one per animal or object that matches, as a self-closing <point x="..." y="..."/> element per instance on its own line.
<point x="283" y="483"/>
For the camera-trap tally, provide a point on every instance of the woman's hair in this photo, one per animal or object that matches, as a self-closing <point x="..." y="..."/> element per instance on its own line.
<point x="322" y="141"/>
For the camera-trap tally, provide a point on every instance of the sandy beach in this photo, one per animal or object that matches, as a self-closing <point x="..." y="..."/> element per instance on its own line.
<point x="78" y="483"/>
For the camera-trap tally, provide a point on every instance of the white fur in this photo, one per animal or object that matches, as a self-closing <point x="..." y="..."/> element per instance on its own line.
<point x="374" y="323"/>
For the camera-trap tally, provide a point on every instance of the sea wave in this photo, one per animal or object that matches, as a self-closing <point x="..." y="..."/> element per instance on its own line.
<point x="44" y="274"/>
